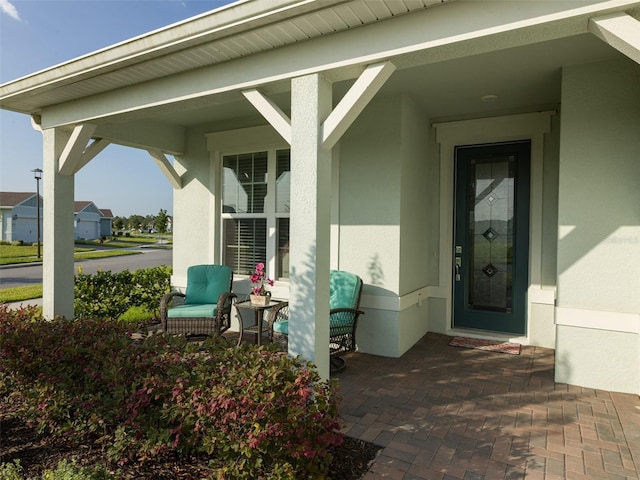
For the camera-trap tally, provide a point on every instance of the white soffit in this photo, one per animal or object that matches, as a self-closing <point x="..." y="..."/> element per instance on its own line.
<point x="235" y="31"/>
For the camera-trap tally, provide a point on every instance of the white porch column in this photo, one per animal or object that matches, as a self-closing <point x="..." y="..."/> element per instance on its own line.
<point x="58" y="229"/>
<point x="310" y="222"/>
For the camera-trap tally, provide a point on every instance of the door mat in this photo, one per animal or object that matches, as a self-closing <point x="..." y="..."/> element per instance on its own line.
<point x="489" y="345"/>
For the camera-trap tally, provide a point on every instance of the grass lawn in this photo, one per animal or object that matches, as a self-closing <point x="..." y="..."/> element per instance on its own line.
<point x="104" y="254"/>
<point x="127" y="242"/>
<point x="12" y="254"/>
<point x="19" y="294"/>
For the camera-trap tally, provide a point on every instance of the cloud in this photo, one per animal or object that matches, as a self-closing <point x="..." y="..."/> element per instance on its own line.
<point x="7" y="7"/>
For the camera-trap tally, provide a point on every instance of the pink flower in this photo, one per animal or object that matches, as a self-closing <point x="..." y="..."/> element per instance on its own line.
<point x="258" y="279"/>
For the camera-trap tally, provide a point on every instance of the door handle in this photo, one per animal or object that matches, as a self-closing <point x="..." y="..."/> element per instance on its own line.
<point x="458" y="265"/>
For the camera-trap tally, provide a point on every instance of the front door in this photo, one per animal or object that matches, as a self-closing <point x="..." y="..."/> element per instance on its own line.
<point x="491" y="249"/>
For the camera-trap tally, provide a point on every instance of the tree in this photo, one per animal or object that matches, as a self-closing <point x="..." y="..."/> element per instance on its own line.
<point x="118" y="223"/>
<point x="135" y="222"/>
<point x="161" y="221"/>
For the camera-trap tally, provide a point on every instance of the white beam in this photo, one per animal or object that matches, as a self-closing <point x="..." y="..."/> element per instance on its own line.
<point x="166" y="167"/>
<point x="619" y="30"/>
<point x="91" y="151"/>
<point x="145" y="134"/>
<point x="354" y="101"/>
<point x="271" y="112"/>
<point x="74" y="149"/>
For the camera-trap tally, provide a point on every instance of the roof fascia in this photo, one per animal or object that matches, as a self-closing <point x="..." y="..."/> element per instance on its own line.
<point x="454" y="30"/>
<point x="231" y="19"/>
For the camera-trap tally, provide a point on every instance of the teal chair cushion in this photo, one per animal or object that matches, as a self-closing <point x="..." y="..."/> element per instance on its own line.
<point x="191" y="311"/>
<point x="205" y="283"/>
<point x="344" y="292"/>
<point x="344" y="289"/>
<point x="281" y="327"/>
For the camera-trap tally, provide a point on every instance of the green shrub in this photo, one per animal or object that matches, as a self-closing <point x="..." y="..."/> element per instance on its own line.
<point x="64" y="471"/>
<point x="11" y="471"/>
<point x="255" y="411"/>
<point x="137" y="315"/>
<point x="110" y="295"/>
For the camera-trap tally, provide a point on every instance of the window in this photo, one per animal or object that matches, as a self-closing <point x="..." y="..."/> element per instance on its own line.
<point x="255" y="212"/>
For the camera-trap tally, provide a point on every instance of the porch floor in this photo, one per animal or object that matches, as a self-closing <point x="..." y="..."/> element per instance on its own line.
<point x="442" y="412"/>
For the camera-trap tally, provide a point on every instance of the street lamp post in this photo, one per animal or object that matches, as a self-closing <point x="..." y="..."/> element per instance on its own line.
<point x="37" y="173"/>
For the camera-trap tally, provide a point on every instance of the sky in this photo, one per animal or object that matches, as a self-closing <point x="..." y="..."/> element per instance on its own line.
<point x="38" y="34"/>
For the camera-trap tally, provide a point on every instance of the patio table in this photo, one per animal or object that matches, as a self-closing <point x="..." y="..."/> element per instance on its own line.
<point x="258" y="318"/>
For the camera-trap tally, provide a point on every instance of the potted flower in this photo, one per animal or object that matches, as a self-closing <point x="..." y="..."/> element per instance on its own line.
<point x="259" y="293"/>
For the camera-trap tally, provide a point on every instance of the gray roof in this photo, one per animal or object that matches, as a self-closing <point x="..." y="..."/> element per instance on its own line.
<point x="11" y="199"/>
<point x="106" y="213"/>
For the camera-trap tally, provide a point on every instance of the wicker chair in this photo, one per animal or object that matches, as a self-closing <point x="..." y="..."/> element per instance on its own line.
<point x="345" y="290"/>
<point x="205" y="307"/>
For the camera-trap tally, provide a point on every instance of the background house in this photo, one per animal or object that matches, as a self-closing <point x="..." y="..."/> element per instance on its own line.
<point x="106" y="221"/>
<point x="90" y="221"/>
<point x="476" y="163"/>
<point x="19" y="216"/>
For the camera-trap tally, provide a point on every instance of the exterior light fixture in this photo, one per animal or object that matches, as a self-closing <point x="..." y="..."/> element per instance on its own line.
<point x="37" y="174"/>
<point x="489" y="98"/>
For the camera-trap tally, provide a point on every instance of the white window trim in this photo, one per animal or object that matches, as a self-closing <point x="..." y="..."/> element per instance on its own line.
<point x="247" y="140"/>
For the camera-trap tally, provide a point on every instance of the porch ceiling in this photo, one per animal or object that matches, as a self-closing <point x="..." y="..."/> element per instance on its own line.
<point x="522" y="78"/>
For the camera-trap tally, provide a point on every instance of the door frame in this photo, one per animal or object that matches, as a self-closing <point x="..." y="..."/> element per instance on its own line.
<point x="483" y="319"/>
<point x="508" y="128"/>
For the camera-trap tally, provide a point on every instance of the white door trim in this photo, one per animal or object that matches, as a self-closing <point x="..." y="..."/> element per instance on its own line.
<point x="528" y="126"/>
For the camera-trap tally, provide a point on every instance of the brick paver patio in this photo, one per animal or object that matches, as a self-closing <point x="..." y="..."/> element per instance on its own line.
<point x="447" y="413"/>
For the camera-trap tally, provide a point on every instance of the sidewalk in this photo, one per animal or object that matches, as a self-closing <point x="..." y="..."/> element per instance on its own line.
<point x="19" y="265"/>
<point x="37" y="302"/>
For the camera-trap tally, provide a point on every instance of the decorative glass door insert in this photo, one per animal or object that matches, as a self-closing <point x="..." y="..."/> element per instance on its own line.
<point x="491" y="238"/>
